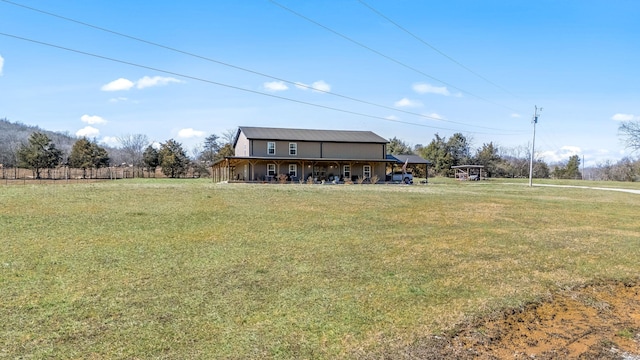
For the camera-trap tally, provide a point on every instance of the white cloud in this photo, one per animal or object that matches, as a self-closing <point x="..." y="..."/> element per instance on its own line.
<point x="435" y="116"/>
<point x="392" y="118"/>
<point x="147" y="81"/>
<point x="624" y="117"/>
<point x="88" y="131"/>
<point x="423" y="88"/>
<point x="560" y="155"/>
<point x="110" y="141"/>
<point x="404" y="102"/>
<point x="275" y="86"/>
<point x="93" y="119"/>
<point x="118" y="85"/>
<point x="189" y="133"/>
<point x="321" y="86"/>
<point x="118" y="99"/>
<point x="514" y="115"/>
<point x="1" y="64"/>
<point x="317" y="86"/>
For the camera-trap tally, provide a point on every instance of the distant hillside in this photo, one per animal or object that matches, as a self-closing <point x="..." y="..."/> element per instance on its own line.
<point x="12" y="134"/>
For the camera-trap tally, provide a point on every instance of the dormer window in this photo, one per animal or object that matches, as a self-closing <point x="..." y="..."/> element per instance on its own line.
<point x="271" y="148"/>
<point x="293" y="149"/>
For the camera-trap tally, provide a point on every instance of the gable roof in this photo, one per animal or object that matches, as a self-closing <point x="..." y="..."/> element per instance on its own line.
<point x="353" y="136"/>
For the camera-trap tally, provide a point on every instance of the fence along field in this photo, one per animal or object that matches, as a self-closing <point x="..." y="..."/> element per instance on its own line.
<point x="20" y="175"/>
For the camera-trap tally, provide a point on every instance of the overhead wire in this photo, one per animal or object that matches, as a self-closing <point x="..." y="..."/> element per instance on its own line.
<point x="379" y="53"/>
<point x="232" y="86"/>
<point x="243" y="68"/>
<point x="396" y="24"/>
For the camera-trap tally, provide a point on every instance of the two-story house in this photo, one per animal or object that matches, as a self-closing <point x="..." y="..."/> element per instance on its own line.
<point x="332" y="155"/>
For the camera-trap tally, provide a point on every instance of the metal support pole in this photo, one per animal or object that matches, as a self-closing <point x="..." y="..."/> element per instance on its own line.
<point x="533" y="144"/>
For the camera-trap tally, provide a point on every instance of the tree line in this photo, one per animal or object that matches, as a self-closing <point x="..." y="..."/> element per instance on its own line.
<point x="513" y="162"/>
<point x="40" y="153"/>
<point x="45" y="150"/>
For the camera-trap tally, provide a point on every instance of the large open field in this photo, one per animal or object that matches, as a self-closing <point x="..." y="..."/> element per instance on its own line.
<point x="190" y="269"/>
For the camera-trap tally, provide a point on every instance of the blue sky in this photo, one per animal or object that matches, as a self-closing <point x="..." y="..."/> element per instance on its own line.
<point x="404" y="68"/>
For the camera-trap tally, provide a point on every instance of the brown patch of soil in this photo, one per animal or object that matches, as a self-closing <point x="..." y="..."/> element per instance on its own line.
<point x="591" y="322"/>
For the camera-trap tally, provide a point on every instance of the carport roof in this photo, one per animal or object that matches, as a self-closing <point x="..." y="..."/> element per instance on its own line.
<point x="413" y="159"/>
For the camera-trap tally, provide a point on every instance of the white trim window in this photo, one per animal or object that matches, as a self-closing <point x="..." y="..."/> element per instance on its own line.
<point x="346" y="171"/>
<point x="271" y="169"/>
<point x="271" y="148"/>
<point x="366" y="171"/>
<point x="293" y="170"/>
<point x="293" y="149"/>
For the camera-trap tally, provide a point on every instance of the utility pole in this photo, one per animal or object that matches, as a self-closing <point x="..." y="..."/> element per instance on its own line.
<point x="533" y="144"/>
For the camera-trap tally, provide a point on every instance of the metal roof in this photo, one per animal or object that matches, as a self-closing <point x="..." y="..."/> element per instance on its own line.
<point x="467" y="167"/>
<point x="413" y="159"/>
<point x="311" y="135"/>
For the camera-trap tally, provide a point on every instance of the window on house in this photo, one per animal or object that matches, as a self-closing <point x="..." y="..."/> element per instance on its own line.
<point x="293" y="170"/>
<point x="271" y="169"/>
<point x="366" y="171"/>
<point x="346" y="171"/>
<point x="271" y="148"/>
<point x="293" y="148"/>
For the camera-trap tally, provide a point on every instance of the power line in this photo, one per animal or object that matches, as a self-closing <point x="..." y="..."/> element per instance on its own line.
<point x="245" y="69"/>
<point x="232" y="86"/>
<point x="436" y="49"/>
<point x="386" y="56"/>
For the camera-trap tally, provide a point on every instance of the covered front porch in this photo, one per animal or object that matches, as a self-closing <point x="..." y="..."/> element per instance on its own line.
<point x="251" y="169"/>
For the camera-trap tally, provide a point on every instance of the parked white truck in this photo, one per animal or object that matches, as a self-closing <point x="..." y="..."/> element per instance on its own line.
<point x="399" y="176"/>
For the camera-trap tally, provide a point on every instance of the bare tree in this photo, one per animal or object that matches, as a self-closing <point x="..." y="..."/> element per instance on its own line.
<point x="133" y="147"/>
<point x="630" y="131"/>
<point x="229" y="136"/>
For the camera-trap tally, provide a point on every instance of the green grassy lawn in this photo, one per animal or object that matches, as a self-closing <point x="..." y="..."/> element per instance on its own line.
<point x="189" y="269"/>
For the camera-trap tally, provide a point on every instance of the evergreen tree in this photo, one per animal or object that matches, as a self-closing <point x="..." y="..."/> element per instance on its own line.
<point x="398" y="147"/>
<point x="459" y="148"/>
<point x="172" y="159"/>
<point x="211" y="148"/>
<point x="225" y="150"/>
<point x="573" y="168"/>
<point x="437" y="152"/>
<point x="150" y="159"/>
<point x="489" y="158"/>
<point x="86" y="154"/>
<point x="570" y="171"/>
<point x="40" y="153"/>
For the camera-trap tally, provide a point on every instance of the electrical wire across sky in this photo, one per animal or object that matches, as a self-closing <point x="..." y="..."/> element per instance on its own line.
<point x="501" y="131"/>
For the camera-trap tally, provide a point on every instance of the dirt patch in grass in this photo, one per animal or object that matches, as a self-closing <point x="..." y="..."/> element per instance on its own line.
<point x="591" y="322"/>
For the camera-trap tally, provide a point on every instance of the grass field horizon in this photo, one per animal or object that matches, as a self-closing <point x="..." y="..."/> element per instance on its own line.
<point x="160" y="268"/>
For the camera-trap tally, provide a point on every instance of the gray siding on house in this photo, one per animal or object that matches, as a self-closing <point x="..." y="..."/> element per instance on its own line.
<point x="242" y="145"/>
<point x="309" y="149"/>
<point x="329" y="150"/>
<point x="321" y="154"/>
<point x="353" y="151"/>
<point x="305" y="149"/>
